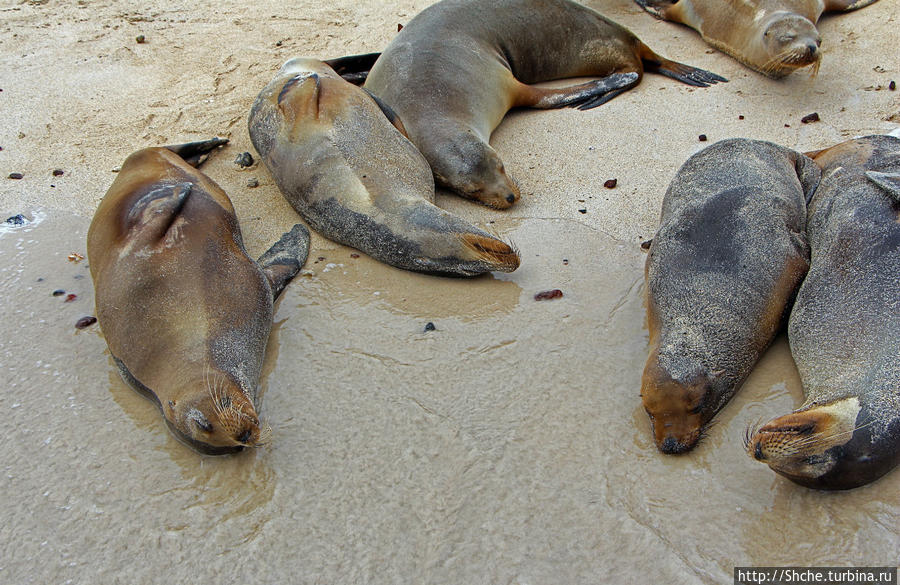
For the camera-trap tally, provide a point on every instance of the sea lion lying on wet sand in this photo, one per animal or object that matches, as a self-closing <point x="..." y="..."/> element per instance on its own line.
<point x="723" y="268"/>
<point x="844" y="329"/>
<point x="185" y="312"/>
<point x="774" y="37"/>
<point x="454" y="71"/>
<point x="341" y="158"/>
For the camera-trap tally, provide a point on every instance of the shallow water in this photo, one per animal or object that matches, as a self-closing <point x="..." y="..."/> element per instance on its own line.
<point x="506" y="446"/>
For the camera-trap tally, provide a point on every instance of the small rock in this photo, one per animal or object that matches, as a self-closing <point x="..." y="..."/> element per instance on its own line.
<point x="58" y="292"/>
<point x="75" y="257"/>
<point x="582" y="211"/>
<point x="548" y="295"/>
<point x="645" y="245"/>
<point x="611" y="183"/>
<point x="16" y="175"/>
<point x="741" y="117"/>
<point x="85" y="322"/>
<point x="244" y="160"/>
<point x="429" y="327"/>
<point x="814" y="117"/>
<point x="892" y="85"/>
<point x="253" y="182"/>
<point x="140" y="39"/>
<point x="354" y="255"/>
<point x="702" y="138"/>
<point x="70" y="297"/>
<point x="58" y="172"/>
<point x="16" y="220"/>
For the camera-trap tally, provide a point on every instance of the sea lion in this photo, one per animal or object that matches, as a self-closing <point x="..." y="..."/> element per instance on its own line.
<point x="774" y="37"/>
<point x="185" y="312"/>
<point x="723" y="267"/>
<point x="341" y="159"/>
<point x="844" y="330"/>
<point x="454" y="71"/>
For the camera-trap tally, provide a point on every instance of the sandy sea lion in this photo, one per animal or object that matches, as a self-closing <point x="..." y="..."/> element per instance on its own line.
<point x="844" y="329"/>
<point x="185" y="312"/>
<point x="454" y="71"/>
<point x="723" y="267"/>
<point x="341" y="159"/>
<point x="774" y="37"/>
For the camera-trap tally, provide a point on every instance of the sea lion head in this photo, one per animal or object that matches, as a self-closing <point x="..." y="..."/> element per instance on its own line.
<point x="220" y="419"/>
<point x="476" y="171"/>
<point x="806" y="445"/>
<point x="791" y="42"/>
<point x="679" y="406"/>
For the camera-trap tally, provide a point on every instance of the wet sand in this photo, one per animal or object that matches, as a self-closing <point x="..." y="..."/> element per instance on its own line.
<point x="507" y="446"/>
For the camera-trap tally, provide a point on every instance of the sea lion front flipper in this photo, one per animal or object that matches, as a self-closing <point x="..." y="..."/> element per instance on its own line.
<point x="846" y="5"/>
<point x="389" y="112"/>
<point x="285" y="258"/>
<point x="196" y="153"/>
<point x="354" y="68"/>
<point x="583" y="96"/>
<point x="889" y="182"/>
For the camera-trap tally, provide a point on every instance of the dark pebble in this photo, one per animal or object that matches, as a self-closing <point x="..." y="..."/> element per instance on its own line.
<point x="59" y="292"/>
<point x="645" y="245"/>
<point x="702" y="138"/>
<point x="892" y="85"/>
<point x="814" y="117"/>
<point x="16" y="220"/>
<point x="253" y="182"/>
<point x="58" y="172"/>
<point x="548" y="295"/>
<point x="611" y="183"/>
<point x="16" y="175"/>
<point x="565" y="261"/>
<point x="740" y="117"/>
<point x="787" y="125"/>
<point x="243" y="160"/>
<point x="429" y="327"/>
<point x="582" y="211"/>
<point x="354" y="255"/>
<point x="140" y="39"/>
<point x="71" y="297"/>
<point x="85" y="322"/>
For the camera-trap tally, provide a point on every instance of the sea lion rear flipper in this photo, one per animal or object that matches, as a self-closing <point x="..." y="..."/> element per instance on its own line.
<point x="353" y="68"/>
<point x="889" y="182"/>
<point x="845" y="5"/>
<point x="679" y="71"/>
<point x="285" y="258"/>
<point x="657" y="8"/>
<point x="196" y="153"/>
<point x="155" y="212"/>
<point x="389" y="112"/>
<point x="809" y="174"/>
<point x="583" y="96"/>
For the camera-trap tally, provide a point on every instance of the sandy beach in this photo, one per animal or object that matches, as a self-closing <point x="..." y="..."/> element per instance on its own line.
<point x="509" y="445"/>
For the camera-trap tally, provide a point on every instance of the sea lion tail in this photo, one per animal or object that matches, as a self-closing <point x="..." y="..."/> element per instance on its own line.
<point x="196" y="153"/>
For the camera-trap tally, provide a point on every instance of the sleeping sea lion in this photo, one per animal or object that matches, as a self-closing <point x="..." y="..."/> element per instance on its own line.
<point x="844" y="330"/>
<point x="454" y="71"/>
<point x="341" y="158"/>
<point x="774" y="37"/>
<point x="185" y="312"/>
<point x="723" y="268"/>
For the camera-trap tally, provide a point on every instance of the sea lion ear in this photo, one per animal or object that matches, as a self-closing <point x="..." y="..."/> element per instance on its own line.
<point x="285" y="258"/>
<point x="889" y="182"/>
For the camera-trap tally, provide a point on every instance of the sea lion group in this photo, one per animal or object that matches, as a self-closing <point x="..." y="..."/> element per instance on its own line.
<point x="356" y="145"/>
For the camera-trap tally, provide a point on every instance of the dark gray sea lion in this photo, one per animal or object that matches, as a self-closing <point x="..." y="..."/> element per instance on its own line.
<point x="844" y="329"/>
<point x="185" y="312"/>
<point x="774" y="37"/>
<point x="723" y="268"/>
<point x="454" y="71"/>
<point x="342" y="160"/>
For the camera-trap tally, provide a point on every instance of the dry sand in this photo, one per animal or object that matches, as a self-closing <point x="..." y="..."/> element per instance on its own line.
<point x="507" y="446"/>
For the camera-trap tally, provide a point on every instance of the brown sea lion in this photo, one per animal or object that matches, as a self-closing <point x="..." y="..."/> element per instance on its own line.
<point x="844" y="329"/>
<point x="774" y="37"/>
<point x="454" y="71"/>
<point x="185" y="312"/>
<point x="342" y="160"/>
<point x="723" y="267"/>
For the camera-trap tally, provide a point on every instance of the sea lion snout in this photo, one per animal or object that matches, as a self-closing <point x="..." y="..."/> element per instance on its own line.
<point x="221" y="418"/>
<point x="677" y="409"/>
